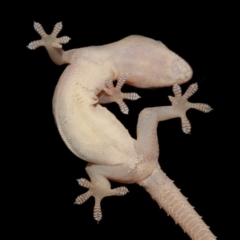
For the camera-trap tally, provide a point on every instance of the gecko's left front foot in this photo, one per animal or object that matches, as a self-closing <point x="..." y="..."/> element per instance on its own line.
<point x="98" y="190"/>
<point x="181" y="105"/>
<point x="48" y="41"/>
<point x="114" y="94"/>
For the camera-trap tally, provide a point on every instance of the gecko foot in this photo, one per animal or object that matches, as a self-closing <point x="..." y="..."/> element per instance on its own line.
<point x="114" y="94"/>
<point x="181" y="104"/>
<point x="98" y="192"/>
<point x="48" y="40"/>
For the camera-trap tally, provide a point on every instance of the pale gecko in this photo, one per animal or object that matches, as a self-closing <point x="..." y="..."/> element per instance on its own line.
<point x="95" y="135"/>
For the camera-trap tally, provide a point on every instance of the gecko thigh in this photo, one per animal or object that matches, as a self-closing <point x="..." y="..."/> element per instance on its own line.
<point x="122" y="173"/>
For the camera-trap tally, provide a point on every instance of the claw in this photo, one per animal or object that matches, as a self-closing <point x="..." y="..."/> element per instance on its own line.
<point x="120" y="82"/>
<point x="39" y="29"/>
<point x="201" y="107"/>
<point x="56" y="30"/>
<point x="84" y="183"/>
<point x="123" y="107"/>
<point x="35" y="44"/>
<point x="120" y="191"/>
<point x="177" y="90"/>
<point x="131" y="96"/>
<point x="186" y="125"/>
<point x="97" y="211"/>
<point x="83" y="197"/>
<point x="63" y="40"/>
<point x="109" y="87"/>
<point x="191" y="90"/>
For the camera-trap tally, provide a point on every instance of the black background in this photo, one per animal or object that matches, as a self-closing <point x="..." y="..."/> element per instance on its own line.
<point x="47" y="185"/>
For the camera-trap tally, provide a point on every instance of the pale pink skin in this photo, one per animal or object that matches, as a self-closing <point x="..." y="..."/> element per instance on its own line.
<point x="94" y="134"/>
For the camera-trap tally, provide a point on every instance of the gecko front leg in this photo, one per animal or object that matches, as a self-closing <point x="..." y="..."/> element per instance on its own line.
<point x="52" y="44"/>
<point x="114" y="94"/>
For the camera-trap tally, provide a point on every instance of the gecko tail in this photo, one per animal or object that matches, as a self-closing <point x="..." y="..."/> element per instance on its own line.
<point x="168" y="196"/>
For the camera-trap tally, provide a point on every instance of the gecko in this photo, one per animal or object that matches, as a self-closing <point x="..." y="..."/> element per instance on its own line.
<point x="95" y="135"/>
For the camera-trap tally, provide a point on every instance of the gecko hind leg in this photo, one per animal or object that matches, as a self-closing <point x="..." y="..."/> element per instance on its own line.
<point x="99" y="187"/>
<point x="114" y="94"/>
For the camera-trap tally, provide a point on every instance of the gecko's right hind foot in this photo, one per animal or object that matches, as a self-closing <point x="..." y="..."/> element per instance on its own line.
<point x="48" y="40"/>
<point x="98" y="192"/>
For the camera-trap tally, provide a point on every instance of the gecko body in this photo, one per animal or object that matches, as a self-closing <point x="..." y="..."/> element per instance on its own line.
<point x="95" y="135"/>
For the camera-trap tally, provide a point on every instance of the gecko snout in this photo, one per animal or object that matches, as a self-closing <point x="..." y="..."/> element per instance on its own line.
<point x="181" y="70"/>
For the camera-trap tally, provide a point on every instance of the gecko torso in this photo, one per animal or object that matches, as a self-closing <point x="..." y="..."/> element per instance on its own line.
<point x="95" y="135"/>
